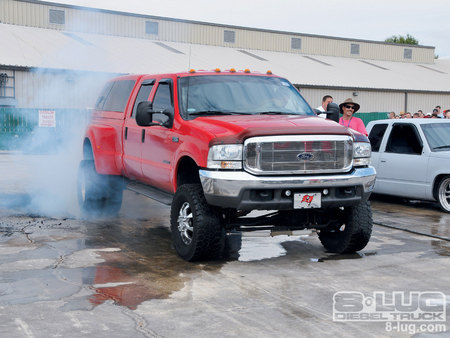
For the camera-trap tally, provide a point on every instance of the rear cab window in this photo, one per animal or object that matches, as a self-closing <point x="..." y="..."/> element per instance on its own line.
<point x="115" y="96"/>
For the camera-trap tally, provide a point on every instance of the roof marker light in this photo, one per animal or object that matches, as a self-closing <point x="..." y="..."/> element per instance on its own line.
<point x="232" y="70"/>
<point x="269" y="72"/>
<point x="247" y="70"/>
<point x="217" y="70"/>
<point x="191" y="70"/>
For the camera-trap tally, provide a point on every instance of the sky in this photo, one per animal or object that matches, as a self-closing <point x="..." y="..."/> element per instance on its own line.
<point x="426" y="20"/>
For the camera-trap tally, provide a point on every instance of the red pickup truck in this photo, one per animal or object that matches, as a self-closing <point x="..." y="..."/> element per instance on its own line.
<point x="216" y="145"/>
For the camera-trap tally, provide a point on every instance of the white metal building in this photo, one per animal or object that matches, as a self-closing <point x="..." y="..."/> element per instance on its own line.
<point x="59" y="56"/>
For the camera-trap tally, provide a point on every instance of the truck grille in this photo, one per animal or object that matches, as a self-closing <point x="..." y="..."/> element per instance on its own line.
<point x="298" y="154"/>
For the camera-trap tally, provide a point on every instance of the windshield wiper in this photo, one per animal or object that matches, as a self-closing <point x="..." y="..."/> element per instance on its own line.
<point x="442" y="147"/>
<point x="212" y="112"/>
<point x="274" y="113"/>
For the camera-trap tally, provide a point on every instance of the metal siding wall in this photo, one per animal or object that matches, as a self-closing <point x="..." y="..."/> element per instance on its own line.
<point x="370" y="101"/>
<point x="212" y="36"/>
<point x="31" y="14"/>
<point x="378" y="101"/>
<point x="172" y="31"/>
<point x="427" y="102"/>
<point x="58" y="89"/>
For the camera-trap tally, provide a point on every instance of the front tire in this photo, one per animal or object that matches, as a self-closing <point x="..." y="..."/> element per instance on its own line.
<point x="443" y="193"/>
<point x="353" y="234"/>
<point x="98" y="195"/>
<point x="196" y="230"/>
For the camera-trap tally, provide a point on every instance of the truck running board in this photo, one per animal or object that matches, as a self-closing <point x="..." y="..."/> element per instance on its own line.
<point x="153" y="193"/>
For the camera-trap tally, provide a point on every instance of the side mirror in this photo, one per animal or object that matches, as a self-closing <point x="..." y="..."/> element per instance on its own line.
<point x="144" y="114"/>
<point x="333" y="112"/>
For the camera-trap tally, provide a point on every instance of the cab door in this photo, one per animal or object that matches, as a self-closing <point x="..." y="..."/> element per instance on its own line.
<point x="132" y="138"/>
<point x="402" y="168"/>
<point x="159" y="143"/>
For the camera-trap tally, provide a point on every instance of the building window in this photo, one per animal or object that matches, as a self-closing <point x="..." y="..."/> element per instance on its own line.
<point x="407" y="53"/>
<point x="229" y="36"/>
<point x="354" y="49"/>
<point x="56" y="16"/>
<point x="296" y="43"/>
<point x="151" y="27"/>
<point x="7" y="88"/>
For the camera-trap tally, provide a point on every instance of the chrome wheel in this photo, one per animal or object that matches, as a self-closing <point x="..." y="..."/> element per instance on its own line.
<point x="185" y="220"/>
<point x="444" y="194"/>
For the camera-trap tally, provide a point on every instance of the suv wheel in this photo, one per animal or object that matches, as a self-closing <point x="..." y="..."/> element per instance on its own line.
<point x="353" y="234"/>
<point x="98" y="195"/>
<point x="196" y="230"/>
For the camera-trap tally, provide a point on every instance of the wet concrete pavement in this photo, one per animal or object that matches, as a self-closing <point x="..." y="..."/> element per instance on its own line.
<point x="63" y="276"/>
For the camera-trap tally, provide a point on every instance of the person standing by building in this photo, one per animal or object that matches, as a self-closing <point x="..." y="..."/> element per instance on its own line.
<point x="323" y="108"/>
<point x="347" y="109"/>
<point x="439" y="113"/>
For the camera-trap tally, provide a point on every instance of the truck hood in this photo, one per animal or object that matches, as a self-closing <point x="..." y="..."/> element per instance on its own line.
<point x="441" y="154"/>
<point x="237" y="128"/>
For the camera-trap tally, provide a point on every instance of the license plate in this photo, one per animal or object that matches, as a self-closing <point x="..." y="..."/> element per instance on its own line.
<point x="307" y="201"/>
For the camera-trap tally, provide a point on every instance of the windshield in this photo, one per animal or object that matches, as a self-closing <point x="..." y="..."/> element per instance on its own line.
<point x="437" y="135"/>
<point x="240" y="94"/>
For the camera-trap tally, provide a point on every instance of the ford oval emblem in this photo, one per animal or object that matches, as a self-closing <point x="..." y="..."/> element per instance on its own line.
<point x="305" y="156"/>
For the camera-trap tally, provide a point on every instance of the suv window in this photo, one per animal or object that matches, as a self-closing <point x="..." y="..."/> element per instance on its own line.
<point x="404" y="140"/>
<point x="144" y="93"/>
<point x="118" y="95"/>
<point x="376" y="136"/>
<point x="163" y="101"/>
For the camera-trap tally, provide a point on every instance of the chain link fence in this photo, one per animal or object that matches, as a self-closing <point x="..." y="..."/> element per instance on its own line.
<point x="39" y="130"/>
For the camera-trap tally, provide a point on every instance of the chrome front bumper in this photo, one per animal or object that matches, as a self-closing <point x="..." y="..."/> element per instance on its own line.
<point x="233" y="189"/>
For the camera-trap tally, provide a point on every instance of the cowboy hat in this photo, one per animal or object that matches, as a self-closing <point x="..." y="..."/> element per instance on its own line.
<point x="349" y="101"/>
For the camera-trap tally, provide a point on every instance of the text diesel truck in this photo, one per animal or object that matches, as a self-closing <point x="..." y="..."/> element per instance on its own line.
<point x="217" y="145"/>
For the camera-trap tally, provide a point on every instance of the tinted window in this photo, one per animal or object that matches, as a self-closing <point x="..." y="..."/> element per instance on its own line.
<point x="407" y="53"/>
<point x="296" y="43"/>
<point x="354" y="49"/>
<point x="437" y="135"/>
<point x="404" y="140"/>
<point x="144" y="93"/>
<point x="118" y="96"/>
<point x="162" y="102"/>
<point x="103" y="95"/>
<point x="240" y="94"/>
<point x="376" y="136"/>
<point x="56" y="16"/>
<point x="229" y="36"/>
<point x="151" y="27"/>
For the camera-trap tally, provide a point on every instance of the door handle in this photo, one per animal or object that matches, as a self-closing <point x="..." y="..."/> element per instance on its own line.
<point x="143" y="136"/>
<point x="126" y="132"/>
<point x="383" y="161"/>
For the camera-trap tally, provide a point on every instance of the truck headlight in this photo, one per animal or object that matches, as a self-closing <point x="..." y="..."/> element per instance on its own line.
<point x="225" y="156"/>
<point x="361" y="154"/>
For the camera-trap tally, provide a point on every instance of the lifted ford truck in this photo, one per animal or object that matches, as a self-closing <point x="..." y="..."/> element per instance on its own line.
<point x="217" y="145"/>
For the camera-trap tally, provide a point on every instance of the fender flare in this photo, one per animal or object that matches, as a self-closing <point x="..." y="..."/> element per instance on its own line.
<point x="104" y="148"/>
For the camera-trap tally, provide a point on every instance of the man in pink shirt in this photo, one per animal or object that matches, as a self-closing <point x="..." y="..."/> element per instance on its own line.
<point x="347" y="109"/>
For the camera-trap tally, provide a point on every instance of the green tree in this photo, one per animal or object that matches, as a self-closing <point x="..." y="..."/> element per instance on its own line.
<point x="406" y="40"/>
